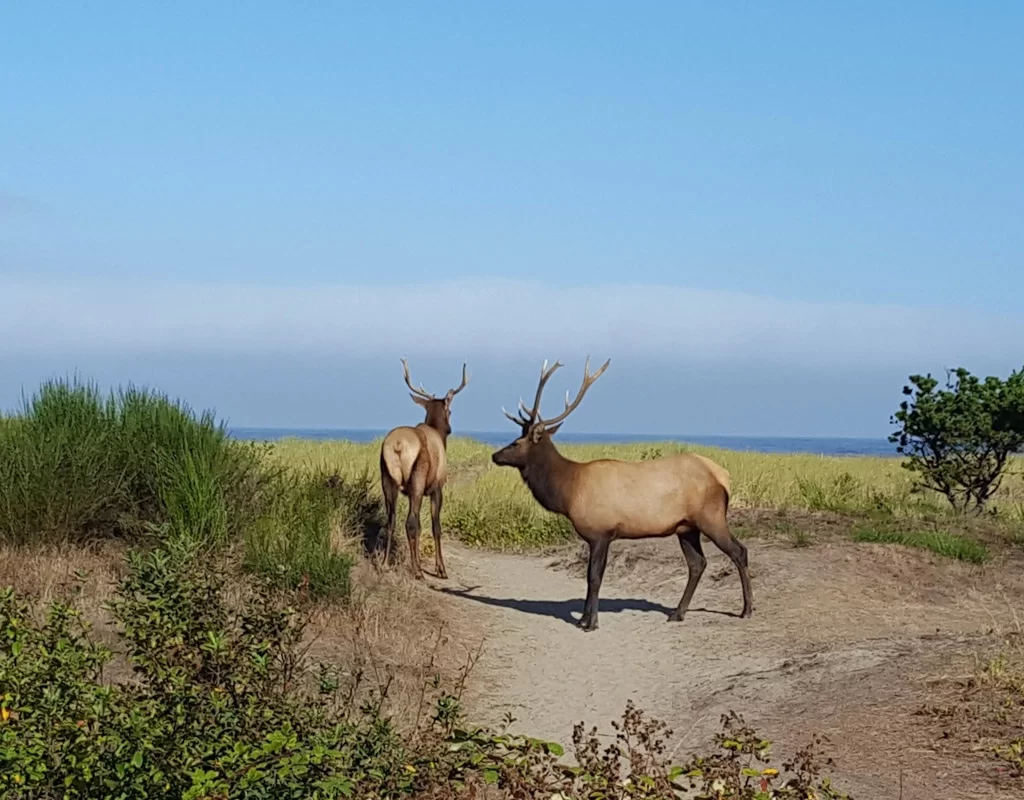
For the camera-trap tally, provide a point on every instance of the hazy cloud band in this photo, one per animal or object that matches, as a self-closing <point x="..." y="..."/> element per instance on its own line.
<point x="493" y="318"/>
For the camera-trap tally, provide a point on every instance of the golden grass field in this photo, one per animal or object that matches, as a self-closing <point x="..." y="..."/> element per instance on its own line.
<point x="489" y="505"/>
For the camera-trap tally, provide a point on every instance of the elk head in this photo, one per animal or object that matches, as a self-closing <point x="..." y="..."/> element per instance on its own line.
<point x="535" y="431"/>
<point x="439" y="409"/>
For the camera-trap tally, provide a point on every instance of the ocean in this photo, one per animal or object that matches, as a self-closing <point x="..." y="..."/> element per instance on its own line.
<point x="762" y="444"/>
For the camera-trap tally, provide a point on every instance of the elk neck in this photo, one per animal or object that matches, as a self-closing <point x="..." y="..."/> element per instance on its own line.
<point x="549" y="476"/>
<point x="436" y="420"/>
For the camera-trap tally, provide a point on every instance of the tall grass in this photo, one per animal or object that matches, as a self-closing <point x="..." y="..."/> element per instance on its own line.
<point x="77" y="464"/>
<point x="304" y="537"/>
<point x="489" y="505"/>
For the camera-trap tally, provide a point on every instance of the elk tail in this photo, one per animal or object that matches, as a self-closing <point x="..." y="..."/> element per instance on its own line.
<point x="391" y="461"/>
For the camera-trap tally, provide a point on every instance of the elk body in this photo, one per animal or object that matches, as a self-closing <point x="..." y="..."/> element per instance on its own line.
<point x="413" y="462"/>
<point x="683" y="495"/>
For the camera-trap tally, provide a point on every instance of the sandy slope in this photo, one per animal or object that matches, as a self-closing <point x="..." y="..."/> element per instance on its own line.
<point x="842" y="641"/>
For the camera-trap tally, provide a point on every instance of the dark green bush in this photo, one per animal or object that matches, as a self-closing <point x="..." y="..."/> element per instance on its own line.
<point x="959" y="439"/>
<point x="218" y="707"/>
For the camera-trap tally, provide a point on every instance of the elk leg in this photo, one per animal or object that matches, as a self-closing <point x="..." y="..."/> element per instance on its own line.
<point x="390" y="491"/>
<point x="412" y="531"/>
<point x="435" y="524"/>
<point x="689" y="541"/>
<point x="718" y="532"/>
<point x="595" y="574"/>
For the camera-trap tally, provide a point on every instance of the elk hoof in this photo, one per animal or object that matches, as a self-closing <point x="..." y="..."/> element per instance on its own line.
<point x="587" y="625"/>
<point x="746" y="613"/>
<point x="442" y="574"/>
<point x="675" y="616"/>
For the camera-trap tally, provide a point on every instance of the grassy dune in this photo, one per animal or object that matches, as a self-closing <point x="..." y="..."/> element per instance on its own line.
<point x="488" y="505"/>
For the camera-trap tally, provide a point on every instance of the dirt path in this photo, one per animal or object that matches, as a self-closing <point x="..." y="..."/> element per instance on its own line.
<point x="842" y="641"/>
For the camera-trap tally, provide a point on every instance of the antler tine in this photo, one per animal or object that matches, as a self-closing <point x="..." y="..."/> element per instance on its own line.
<point x="516" y="420"/>
<point x="545" y="376"/>
<point x="588" y="381"/>
<point x="527" y="416"/>
<point x="465" y="380"/>
<point x="408" y="382"/>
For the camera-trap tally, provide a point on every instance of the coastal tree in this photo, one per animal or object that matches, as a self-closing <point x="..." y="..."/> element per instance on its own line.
<point x="959" y="439"/>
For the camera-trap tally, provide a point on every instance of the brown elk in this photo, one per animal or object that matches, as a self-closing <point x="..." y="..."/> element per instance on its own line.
<point x="413" y="461"/>
<point x="608" y="499"/>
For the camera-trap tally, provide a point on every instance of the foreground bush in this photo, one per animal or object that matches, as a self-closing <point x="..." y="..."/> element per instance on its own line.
<point x="222" y="704"/>
<point x="77" y="464"/>
<point x="217" y="708"/>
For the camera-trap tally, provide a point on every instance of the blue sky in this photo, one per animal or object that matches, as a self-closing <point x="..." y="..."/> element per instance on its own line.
<point x="767" y="215"/>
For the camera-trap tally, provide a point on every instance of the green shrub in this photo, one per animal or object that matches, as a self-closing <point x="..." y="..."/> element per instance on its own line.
<point x="217" y="706"/>
<point x="959" y="440"/>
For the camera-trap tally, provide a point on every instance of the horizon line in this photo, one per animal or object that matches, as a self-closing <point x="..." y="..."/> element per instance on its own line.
<point x="654" y="436"/>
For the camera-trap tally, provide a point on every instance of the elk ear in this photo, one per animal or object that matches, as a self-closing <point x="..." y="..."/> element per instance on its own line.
<point x="420" y="401"/>
<point x="554" y="429"/>
<point x="536" y="433"/>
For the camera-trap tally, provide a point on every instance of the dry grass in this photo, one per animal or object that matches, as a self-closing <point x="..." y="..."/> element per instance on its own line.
<point x="49" y="572"/>
<point x="391" y="635"/>
<point x="982" y="712"/>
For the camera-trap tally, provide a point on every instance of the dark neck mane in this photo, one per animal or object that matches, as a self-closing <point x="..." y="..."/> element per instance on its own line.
<point x="548" y="475"/>
<point x="436" y="421"/>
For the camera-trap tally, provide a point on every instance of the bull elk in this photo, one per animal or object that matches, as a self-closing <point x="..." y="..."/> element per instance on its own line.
<point x="608" y="499"/>
<point x="413" y="461"/>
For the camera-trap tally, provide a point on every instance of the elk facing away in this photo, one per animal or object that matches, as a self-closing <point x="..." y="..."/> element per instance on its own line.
<point x="607" y="499"/>
<point x="413" y="461"/>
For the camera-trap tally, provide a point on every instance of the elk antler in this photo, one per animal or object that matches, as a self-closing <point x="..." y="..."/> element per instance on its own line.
<point x="408" y="382"/>
<point x="532" y="416"/>
<point x="465" y="380"/>
<point x="529" y="417"/>
<point x="588" y="381"/>
<point x="523" y="416"/>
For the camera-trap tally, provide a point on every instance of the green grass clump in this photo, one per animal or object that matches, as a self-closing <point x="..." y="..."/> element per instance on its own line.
<point x="946" y="544"/>
<point x="298" y="540"/>
<point x="77" y="464"/>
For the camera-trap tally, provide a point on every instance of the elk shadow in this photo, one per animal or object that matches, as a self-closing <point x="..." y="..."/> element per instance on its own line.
<point x="563" y="609"/>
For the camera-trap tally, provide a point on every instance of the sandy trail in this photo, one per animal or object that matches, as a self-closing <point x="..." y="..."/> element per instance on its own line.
<point x="842" y="640"/>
